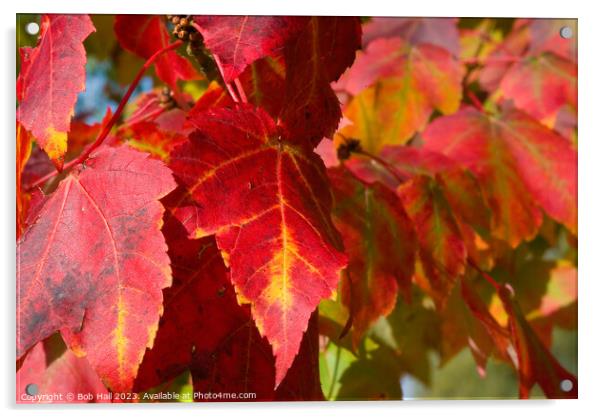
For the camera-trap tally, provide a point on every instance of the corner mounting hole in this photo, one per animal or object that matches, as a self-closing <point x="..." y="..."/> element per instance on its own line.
<point x="32" y="28"/>
<point x="566" y="385"/>
<point x="566" y="32"/>
<point x="31" y="389"/>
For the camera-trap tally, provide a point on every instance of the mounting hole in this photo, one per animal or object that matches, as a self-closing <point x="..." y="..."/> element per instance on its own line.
<point x="566" y="32"/>
<point x="32" y="28"/>
<point x="566" y="385"/>
<point x="31" y="389"/>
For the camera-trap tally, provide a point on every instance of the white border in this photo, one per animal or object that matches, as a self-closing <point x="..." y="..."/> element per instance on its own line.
<point x="590" y="207"/>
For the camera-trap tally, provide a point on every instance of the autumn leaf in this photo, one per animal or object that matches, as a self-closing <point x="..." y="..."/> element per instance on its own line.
<point x="149" y="137"/>
<point x="559" y="306"/>
<point x="38" y="165"/>
<point x="156" y="125"/>
<point x="280" y="244"/>
<point x="545" y="36"/>
<point x="518" y="344"/>
<point x="23" y="151"/>
<point x="215" y="96"/>
<point x="535" y="362"/>
<point x="523" y="48"/>
<point x="477" y="42"/>
<point x="55" y="370"/>
<point x="203" y="328"/>
<point x="318" y="56"/>
<point x="25" y="61"/>
<point x="397" y="87"/>
<point x="499" y="336"/>
<point x="442" y="248"/>
<point x="415" y="30"/>
<point x="562" y="290"/>
<point x="94" y="263"/>
<point x="144" y="35"/>
<point x="81" y="135"/>
<point x="329" y="44"/>
<point x="541" y="85"/>
<point x="445" y="203"/>
<point x="521" y="165"/>
<point x="499" y="55"/>
<point x="46" y="92"/>
<point x="263" y="82"/>
<point x="238" y="41"/>
<point x="528" y="274"/>
<point x="380" y="242"/>
<point x="420" y="65"/>
<point x="460" y="328"/>
<point x="458" y="185"/>
<point x="147" y="108"/>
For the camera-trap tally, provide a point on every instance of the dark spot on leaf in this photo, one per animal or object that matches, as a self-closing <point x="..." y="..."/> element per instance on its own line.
<point x="36" y="320"/>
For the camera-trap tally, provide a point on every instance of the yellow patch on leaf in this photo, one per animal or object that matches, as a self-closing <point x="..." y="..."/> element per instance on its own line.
<point x="56" y="146"/>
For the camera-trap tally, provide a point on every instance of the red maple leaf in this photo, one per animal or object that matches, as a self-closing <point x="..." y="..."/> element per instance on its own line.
<point x="46" y="92"/>
<point x="246" y="181"/>
<point x="55" y="370"/>
<point x="94" y="262"/>
<point x="146" y="34"/>
<point x="318" y="56"/>
<point x="238" y="41"/>
<point x="381" y="244"/>
<point x="522" y="166"/>
<point x="204" y="329"/>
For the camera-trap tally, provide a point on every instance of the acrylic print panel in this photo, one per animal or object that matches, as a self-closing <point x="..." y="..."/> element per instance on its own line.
<point x="258" y="208"/>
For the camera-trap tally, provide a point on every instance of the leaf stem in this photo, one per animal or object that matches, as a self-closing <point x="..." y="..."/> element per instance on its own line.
<point x="349" y="322"/>
<point x="132" y="121"/>
<point x="107" y="128"/>
<point x="355" y="176"/>
<point x="385" y="164"/>
<point x="241" y="91"/>
<point x="475" y="101"/>
<point x="218" y="63"/>
<point x="335" y="372"/>
<point x="487" y="277"/>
